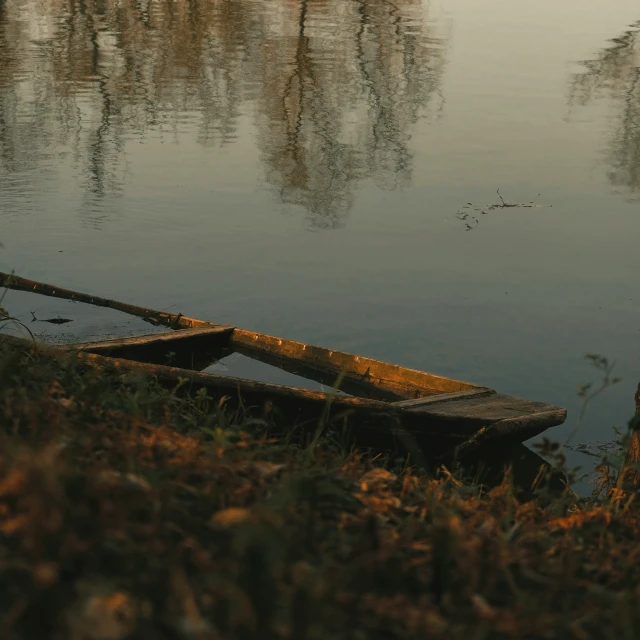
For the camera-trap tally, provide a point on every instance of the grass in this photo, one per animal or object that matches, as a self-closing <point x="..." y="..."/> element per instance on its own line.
<point x="129" y="512"/>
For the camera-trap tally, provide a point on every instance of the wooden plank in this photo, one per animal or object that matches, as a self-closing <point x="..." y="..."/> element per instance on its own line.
<point x="444" y="397"/>
<point x="186" y="348"/>
<point x="401" y="381"/>
<point x="169" y="338"/>
<point x="347" y="384"/>
<point x="528" y="426"/>
<point x="488" y="409"/>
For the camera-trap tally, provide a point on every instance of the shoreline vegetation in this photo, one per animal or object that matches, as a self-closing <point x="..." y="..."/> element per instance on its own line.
<point x="128" y="510"/>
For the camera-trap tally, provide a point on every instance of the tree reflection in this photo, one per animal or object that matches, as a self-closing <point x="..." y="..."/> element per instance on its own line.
<point x="340" y="97"/>
<point x="616" y="72"/>
<point x="336" y="88"/>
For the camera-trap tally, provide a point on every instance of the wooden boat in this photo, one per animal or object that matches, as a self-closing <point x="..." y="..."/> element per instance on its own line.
<point x="380" y="402"/>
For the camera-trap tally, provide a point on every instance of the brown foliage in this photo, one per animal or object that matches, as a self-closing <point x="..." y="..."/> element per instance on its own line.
<point x="127" y="513"/>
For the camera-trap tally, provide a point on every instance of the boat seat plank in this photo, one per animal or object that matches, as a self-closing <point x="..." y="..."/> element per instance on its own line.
<point x="167" y="337"/>
<point x="190" y="348"/>
<point x="486" y="408"/>
<point x="443" y="397"/>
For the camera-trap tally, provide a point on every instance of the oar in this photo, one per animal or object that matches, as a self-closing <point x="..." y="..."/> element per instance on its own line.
<point x="11" y="281"/>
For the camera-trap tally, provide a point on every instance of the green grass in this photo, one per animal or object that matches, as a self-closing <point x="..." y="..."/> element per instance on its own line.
<point x="129" y="512"/>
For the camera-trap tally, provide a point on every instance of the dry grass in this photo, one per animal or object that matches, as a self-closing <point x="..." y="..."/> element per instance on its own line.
<point x="126" y="512"/>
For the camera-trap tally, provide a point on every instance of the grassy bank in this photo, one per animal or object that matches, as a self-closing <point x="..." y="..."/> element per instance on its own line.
<point x="129" y="512"/>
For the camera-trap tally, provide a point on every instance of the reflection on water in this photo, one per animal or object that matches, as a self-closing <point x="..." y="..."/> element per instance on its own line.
<point x="615" y="72"/>
<point x="335" y="88"/>
<point x="340" y="93"/>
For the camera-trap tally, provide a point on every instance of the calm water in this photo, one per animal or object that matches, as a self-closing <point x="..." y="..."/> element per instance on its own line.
<point x="304" y="168"/>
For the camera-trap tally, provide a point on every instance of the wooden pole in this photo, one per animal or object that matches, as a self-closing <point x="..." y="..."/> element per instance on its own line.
<point x="11" y="281"/>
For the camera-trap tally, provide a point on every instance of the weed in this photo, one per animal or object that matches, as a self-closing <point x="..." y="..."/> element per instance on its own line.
<point x="127" y="511"/>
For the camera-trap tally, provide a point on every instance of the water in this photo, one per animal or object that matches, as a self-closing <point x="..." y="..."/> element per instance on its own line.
<point x="302" y="168"/>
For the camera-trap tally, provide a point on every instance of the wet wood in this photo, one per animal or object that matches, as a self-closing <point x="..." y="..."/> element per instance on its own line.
<point x="185" y="348"/>
<point x="445" y="397"/>
<point x="352" y="385"/>
<point x="528" y="425"/>
<point x="171" y="338"/>
<point x="489" y="409"/>
<point x="401" y="381"/>
<point x="485" y="420"/>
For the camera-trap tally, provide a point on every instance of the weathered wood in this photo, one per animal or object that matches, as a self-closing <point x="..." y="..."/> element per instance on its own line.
<point x="404" y="382"/>
<point x="185" y="348"/>
<point x="331" y="378"/>
<point x="17" y="283"/>
<point x="444" y="397"/>
<point x="527" y="425"/>
<point x="438" y="433"/>
<point x="170" y="338"/>
<point x="492" y="418"/>
<point x="489" y="409"/>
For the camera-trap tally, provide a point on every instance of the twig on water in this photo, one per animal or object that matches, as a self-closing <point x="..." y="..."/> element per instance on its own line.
<point x="471" y="221"/>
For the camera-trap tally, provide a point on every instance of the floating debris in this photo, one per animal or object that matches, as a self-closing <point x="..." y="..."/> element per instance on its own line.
<point x="471" y="221"/>
<point x="57" y="320"/>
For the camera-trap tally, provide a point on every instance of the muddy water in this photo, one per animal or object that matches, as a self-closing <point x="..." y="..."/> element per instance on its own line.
<point x="328" y="171"/>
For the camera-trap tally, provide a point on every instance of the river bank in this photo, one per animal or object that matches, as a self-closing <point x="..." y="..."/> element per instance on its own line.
<point x="129" y="512"/>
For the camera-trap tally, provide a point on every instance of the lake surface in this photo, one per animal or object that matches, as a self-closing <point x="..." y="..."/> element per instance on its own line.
<point x="324" y="170"/>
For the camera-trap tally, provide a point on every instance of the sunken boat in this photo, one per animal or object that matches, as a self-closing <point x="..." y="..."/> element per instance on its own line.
<point x="381" y="404"/>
